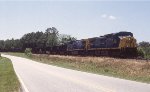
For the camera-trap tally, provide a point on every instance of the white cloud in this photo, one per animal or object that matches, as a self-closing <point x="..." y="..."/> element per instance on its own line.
<point x="106" y="16"/>
<point x="112" y="17"/>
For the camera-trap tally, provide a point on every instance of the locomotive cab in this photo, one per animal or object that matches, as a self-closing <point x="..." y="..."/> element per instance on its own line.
<point x="126" y="40"/>
<point x="127" y="44"/>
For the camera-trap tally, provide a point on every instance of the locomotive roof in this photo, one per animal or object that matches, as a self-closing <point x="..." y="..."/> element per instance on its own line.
<point x="123" y="33"/>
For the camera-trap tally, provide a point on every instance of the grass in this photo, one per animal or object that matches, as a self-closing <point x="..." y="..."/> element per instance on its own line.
<point x="132" y="69"/>
<point x="8" y="79"/>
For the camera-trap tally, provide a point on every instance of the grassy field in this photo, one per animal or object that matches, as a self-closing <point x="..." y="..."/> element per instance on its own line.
<point x="132" y="69"/>
<point x="8" y="79"/>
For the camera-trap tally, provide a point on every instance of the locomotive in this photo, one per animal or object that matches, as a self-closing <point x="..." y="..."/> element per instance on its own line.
<point x="120" y="44"/>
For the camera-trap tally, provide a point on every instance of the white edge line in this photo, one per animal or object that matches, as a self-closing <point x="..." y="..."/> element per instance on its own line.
<point x="22" y="83"/>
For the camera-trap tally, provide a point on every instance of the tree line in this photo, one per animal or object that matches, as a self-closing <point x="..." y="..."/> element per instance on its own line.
<point x="35" y="40"/>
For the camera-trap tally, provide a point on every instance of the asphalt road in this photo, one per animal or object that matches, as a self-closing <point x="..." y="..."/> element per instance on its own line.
<point x="38" y="77"/>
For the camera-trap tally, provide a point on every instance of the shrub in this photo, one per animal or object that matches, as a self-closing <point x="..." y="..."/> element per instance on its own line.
<point x="28" y="52"/>
<point x="140" y="53"/>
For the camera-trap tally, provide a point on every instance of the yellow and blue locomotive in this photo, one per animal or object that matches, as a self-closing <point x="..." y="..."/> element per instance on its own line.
<point x="121" y="44"/>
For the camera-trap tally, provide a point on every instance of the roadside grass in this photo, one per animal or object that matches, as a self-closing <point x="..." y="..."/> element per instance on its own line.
<point x="132" y="69"/>
<point x="8" y="79"/>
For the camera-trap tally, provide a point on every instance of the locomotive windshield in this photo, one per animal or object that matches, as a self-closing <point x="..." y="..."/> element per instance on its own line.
<point x="124" y="34"/>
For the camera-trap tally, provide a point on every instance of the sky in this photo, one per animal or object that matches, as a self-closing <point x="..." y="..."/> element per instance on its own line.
<point x="80" y="19"/>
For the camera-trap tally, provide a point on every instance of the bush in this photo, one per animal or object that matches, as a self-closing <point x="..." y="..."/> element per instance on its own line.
<point x="147" y="52"/>
<point x="144" y="52"/>
<point x="28" y="52"/>
<point x="140" y="53"/>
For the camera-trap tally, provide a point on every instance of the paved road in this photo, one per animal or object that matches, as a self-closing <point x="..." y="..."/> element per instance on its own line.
<point x="38" y="77"/>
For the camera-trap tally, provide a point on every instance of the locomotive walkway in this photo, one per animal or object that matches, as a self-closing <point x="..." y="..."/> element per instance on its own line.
<point x="38" y="77"/>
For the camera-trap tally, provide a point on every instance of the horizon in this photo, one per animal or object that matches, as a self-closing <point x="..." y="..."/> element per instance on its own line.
<point x="80" y="19"/>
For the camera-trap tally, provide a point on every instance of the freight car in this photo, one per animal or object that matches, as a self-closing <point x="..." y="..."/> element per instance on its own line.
<point x="121" y="44"/>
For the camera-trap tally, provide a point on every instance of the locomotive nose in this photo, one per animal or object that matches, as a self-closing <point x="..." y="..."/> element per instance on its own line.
<point x="127" y="42"/>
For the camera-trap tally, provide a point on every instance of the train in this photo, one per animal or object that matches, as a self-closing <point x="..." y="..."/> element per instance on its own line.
<point x="120" y="44"/>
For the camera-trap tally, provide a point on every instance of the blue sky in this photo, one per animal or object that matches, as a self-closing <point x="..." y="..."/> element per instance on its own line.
<point x="81" y="19"/>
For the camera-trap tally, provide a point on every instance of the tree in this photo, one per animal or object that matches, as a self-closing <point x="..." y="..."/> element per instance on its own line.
<point x="63" y="38"/>
<point x="145" y="47"/>
<point x="8" y="45"/>
<point x="140" y="52"/>
<point x="2" y="45"/>
<point x="52" y="36"/>
<point x="144" y="44"/>
<point x="36" y="41"/>
<point x="39" y="40"/>
<point x="17" y="45"/>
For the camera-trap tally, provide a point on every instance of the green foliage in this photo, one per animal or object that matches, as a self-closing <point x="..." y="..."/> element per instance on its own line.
<point x="147" y="52"/>
<point x="41" y="39"/>
<point x="144" y="44"/>
<point x="144" y="48"/>
<point x="10" y="45"/>
<point x="35" y="40"/>
<point x="30" y="40"/>
<point x="28" y="52"/>
<point x="140" y="53"/>
<point x="1" y="44"/>
<point x="63" y="38"/>
<point x="51" y="37"/>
